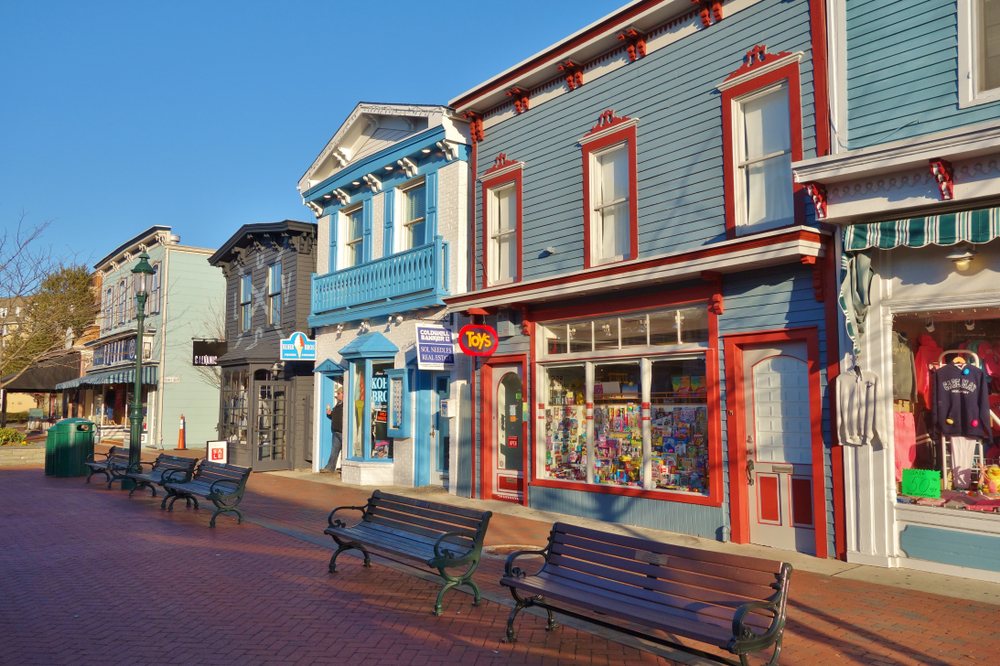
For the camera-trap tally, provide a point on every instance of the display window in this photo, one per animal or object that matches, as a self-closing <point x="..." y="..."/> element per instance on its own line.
<point x="369" y="420"/>
<point x="633" y="415"/>
<point x="946" y="408"/>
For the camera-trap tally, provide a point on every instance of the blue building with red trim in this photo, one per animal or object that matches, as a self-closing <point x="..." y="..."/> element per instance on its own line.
<point x="661" y="289"/>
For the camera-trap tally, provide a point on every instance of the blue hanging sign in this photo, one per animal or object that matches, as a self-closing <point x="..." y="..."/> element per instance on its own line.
<point x="298" y="347"/>
<point x="435" y="349"/>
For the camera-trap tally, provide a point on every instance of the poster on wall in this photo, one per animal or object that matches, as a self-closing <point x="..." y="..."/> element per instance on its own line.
<point x="435" y="348"/>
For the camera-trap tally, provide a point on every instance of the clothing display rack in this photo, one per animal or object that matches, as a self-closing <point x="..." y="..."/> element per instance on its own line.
<point x="978" y="461"/>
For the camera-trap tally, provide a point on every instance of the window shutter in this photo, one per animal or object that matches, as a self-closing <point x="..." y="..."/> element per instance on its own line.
<point x="430" y="203"/>
<point x="389" y="215"/>
<point x="366" y="221"/>
<point x="333" y="219"/>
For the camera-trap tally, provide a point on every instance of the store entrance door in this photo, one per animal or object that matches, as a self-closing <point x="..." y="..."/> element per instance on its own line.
<point x="779" y="446"/>
<point x="507" y="432"/>
<point x="269" y="445"/>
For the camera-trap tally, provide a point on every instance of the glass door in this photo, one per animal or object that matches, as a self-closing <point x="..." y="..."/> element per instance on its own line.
<point x="270" y="414"/>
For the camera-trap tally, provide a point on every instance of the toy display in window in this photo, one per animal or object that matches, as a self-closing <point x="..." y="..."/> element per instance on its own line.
<point x="565" y="427"/>
<point x="618" y="444"/>
<point x="680" y="447"/>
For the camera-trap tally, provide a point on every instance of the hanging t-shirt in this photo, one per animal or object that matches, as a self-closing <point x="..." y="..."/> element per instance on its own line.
<point x="904" y="373"/>
<point x="961" y="401"/>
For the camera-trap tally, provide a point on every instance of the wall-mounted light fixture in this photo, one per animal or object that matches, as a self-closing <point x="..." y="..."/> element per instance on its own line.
<point x="340" y="327"/>
<point x="962" y="257"/>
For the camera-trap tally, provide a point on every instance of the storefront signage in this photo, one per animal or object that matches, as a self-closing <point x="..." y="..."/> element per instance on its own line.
<point x="298" y="347"/>
<point x="207" y="352"/>
<point x="478" y="340"/>
<point x="380" y="389"/>
<point x="119" y="351"/>
<point x="217" y="452"/>
<point x="922" y="483"/>
<point x="435" y="348"/>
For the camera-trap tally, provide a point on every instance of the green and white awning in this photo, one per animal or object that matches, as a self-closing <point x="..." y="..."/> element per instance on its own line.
<point x="975" y="226"/>
<point x="121" y="376"/>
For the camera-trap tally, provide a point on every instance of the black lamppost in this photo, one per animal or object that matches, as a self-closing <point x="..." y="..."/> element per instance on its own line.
<point x="141" y="270"/>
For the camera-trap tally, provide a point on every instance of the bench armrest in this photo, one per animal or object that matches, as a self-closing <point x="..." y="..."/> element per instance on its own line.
<point x="91" y="458"/>
<point x="135" y="468"/>
<point x="443" y="554"/>
<point x="176" y="476"/>
<point x="236" y="487"/>
<point x="340" y="523"/>
<point x="745" y="640"/>
<point x="510" y="571"/>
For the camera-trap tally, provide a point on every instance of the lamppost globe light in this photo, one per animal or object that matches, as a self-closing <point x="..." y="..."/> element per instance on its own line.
<point x="141" y="270"/>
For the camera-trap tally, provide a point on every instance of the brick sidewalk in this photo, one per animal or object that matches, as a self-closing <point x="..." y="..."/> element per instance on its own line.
<point x="81" y="564"/>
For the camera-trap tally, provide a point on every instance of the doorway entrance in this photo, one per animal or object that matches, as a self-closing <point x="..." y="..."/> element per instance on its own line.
<point x="269" y="445"/>
<point x="504" y="436"/>
<point x="775" y="441"/>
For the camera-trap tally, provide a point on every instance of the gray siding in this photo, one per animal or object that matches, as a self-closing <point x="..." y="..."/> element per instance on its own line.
<point x="679" y="140"/>
<point x="902" y="71"/>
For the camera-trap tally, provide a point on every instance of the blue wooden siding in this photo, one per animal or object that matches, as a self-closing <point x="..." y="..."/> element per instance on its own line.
<point x="777" y="298"/>
<point x="703" y="521"/>
<point x="961" y="549"/>
<point x="679" y="140"/>
<point x="902" y="71"/>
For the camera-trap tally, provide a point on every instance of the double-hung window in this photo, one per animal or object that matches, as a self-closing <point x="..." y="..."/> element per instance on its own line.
<point x="503" y="234"/>
<point x="978" y="51"/>
<point x="122" y="296"/>
<point x="274" y="294"/>
<point x="610" y="203"/>
<point x="415" y="216"/>
<point x="246" y="294"/>
<point x="153" y="303"/>
<point x="610" y="193"/>
<point x="764" y="162"/>
<point x="354" y="240"/>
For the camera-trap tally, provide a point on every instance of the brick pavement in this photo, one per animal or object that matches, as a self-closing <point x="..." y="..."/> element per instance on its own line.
<point x="274" y="602"/>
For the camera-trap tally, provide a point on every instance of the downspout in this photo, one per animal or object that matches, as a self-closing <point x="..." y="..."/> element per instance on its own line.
<point x="472" y="284"/>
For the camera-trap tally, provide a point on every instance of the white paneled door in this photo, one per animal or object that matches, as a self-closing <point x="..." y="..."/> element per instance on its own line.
<point x="779" y="446"/>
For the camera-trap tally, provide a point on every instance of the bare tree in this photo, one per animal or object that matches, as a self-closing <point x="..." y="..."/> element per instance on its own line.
<point x="44" y="300"/>
<point x="213" y="327"/>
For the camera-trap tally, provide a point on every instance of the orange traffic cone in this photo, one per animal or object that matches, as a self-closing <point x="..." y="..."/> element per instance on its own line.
<point x="180" y="436"/>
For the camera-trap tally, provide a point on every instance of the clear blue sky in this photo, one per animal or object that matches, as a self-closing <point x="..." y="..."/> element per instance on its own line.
<point x="203" y="115"/>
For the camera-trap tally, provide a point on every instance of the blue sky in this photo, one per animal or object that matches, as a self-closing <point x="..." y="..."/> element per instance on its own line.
<point x="203" y="115"/>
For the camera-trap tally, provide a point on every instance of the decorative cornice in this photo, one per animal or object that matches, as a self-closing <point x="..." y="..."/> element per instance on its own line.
<point x="521" y="99"/>
<point x="315" y="208"/>
<point x="943" y="175"/>
<point x="475" y="125"/>
<point x="408" y="166"/>
<point x="450" y="149"/>
<point x="635" y="42"/>
<point x="573" y="72"/>
<point x="758" y="62"/>
<point x="502" y="166"/>
<point x="709" y="11"/>
<point x="608" y="123"/>
<point x="373" y="182"/>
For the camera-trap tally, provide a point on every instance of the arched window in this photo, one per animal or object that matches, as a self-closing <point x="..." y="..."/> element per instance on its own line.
<point x="122" y="295"/>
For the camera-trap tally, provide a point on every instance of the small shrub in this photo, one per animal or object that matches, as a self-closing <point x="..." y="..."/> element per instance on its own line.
<point x="17" y="417"/>
<point x="10" y="436"/>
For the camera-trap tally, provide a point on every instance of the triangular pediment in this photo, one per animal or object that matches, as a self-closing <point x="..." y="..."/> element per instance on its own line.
<point x="370" y="345"/>
<point x="369" y="129"/>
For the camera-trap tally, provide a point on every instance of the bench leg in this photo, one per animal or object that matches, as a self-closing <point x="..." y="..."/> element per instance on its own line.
<point x="774" y="658"/>
<point x="167" y="495"/>
<point x="139" y="485"/>
<point x="519" y="605"/>
<point x="341" y="547"/>
<point x="239" y="513"/>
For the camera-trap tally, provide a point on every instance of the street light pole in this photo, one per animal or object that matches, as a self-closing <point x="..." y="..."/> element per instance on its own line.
<point x="141" y="270"/>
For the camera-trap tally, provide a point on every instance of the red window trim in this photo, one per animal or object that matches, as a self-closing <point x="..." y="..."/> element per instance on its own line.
<point x="713" y="399"/>
<point x="627" y="133"/>
<point x="494" y="183"/>
<point x="790" y="73"/>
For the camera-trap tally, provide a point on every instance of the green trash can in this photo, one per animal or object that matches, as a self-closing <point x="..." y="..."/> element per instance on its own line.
<point x="68" y="444"/>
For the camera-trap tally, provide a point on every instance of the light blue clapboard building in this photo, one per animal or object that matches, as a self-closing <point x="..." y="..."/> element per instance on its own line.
<point x="912" y="185"/>
<point x="661" y="287"/>
<point x="186" y="302"/>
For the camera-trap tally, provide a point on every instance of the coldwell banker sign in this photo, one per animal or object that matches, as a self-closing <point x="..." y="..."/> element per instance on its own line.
<point x="298" y="347"/>
<point x="435" y="349"/>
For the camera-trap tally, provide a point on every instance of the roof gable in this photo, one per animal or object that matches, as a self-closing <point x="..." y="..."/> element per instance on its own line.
<point x="370" y="345"/>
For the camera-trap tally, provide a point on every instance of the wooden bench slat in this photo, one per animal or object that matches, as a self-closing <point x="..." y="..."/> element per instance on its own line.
<point x="449" y="522"/>
<point x="725" y="559"/>
<point x="641" y="571"/>
<point x="403" y="526"/>
<point x="750" y="576"/>
<point x="446" y="508"/>
<point x="436" y="525"/>
<point x="598" y="603"/>
<point x="377" y="541"/>
<point x="460" y="543"/>
<point x="655" y="600"/>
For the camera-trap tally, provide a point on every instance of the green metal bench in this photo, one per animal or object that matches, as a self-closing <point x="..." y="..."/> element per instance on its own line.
<point x="222" y="484"/>
<point x="112" y="466"/>
<point x="150" y="475"/>
<point x="733" y="602"/>
<point x="438" y="536"/>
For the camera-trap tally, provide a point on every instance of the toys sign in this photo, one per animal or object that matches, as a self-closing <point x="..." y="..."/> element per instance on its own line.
<point x="478" y="340"/>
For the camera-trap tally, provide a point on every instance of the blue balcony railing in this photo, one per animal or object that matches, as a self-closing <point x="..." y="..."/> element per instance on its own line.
<point x="410" y="279"/>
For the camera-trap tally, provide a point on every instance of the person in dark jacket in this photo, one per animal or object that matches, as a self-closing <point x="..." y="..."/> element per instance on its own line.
<point x="336" y="416"/>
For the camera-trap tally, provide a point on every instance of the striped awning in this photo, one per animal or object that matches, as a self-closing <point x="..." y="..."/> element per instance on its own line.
<point x="975" y="226"/>
<point x="121" y="376"/>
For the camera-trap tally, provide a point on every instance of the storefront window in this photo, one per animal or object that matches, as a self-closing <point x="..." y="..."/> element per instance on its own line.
<point x="234" y="405"/>
<point x="618" y="424"/>
<point x="623" y="445"/>
<point x="358" y="422"/>
<point x="381" y="443"/>
<point x="566" y="424"/>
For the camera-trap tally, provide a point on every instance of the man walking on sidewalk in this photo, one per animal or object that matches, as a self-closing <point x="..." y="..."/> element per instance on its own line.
<point x="336" y="416"/>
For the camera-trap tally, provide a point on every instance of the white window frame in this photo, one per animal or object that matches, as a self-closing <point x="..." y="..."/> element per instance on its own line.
<point x="272" y="294"/>
<point x="740" y="163"/>
<point x="401" y="232"/>
<point x="968" y="48"/>
<point x="493" y="233"/>
<point x="595" y="220"/>
<point x="122" y="302"/>
<point x="343" y="243"/>
<point x="246" y="301"/>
